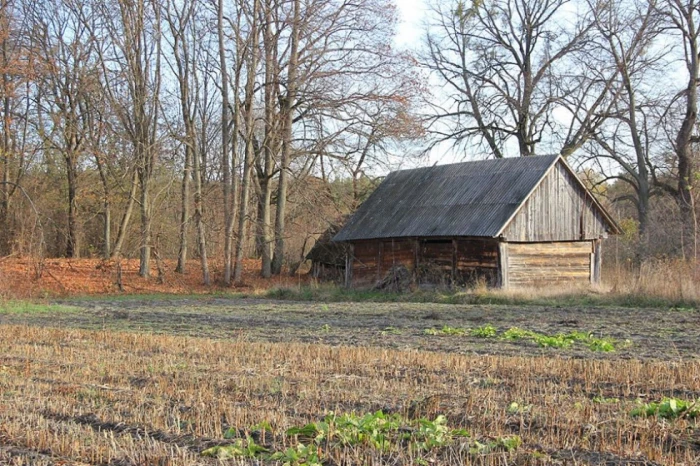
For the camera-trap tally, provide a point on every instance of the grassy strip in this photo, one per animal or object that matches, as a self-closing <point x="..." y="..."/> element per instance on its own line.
<point x="29" y="307"/>
<point x="334" y="294"/>
<point x="580" y="298"/>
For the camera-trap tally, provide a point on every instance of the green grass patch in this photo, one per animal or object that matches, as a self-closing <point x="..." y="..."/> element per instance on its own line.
<point x="561" y="340"/>
<point x="485" y="331"/>
<point x="29" y="307"/>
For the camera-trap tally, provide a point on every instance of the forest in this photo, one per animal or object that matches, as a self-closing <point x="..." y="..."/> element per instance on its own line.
<point x="226" y="130"/>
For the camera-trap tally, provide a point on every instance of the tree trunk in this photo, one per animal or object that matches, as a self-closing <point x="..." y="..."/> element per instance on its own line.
<point x="185" y="213"/>
<point x="145" y="248"/>
<point x="106" y="211"/>
<point x="225" y="140"/>
<point x="201" y="237"/>
<point x="249" y="145"/>
<point x="287" y="112"/>
<point x="72" y="242"/>
<point x="124" y="224"/>
<point x="271" y="85"/>
<point x="684" y="138"/>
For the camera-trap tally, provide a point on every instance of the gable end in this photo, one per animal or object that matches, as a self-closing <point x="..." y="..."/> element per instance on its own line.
<point x="560" y="208"/>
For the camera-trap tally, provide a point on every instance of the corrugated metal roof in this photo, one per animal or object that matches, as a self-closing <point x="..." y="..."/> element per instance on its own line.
<point x="464" y="199"/>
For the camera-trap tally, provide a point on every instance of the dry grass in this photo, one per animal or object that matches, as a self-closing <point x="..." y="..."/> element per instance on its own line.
<point x="69" y="396"/>
<point x="671" y="279"/>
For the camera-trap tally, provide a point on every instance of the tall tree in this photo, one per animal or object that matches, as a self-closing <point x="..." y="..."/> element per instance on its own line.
<point x="131" y="62"/>
<point x="505" y="66"/>
<point x="288" y="103"/>
<point x="16" y="73"/>
<point x="252" y="58"/>
<point x="626" y="41"/>
<point x="683" y="18"/>
<point x="68" y="83"/>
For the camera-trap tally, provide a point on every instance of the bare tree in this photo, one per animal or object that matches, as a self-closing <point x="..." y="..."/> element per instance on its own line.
<point x="68" y="81"/>
<point x="683" y="19"/>
<point x="185" y="36"/>
<point x="626" y="39"/>
<point x="505" y="66"/>
<point x="16" y="71"/>
<point x="131" y="62"/>
<point x="287" y="104"/>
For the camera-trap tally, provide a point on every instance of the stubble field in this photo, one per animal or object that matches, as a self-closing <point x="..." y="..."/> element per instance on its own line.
<point x="162" y="381"/>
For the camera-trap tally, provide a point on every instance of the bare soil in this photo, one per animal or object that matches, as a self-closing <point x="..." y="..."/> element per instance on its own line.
<point x="653" y="334"/>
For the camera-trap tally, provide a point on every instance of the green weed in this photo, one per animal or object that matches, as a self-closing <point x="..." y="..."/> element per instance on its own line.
<point x="379" y="431"/>
<point x="446" y="330"/>
<point x="603" y="400"/>
<point x="562" y="340"/>
<point x="516" y="333"/>
<point x="301" y="455"/>
<point x="668" y="408"/>
<point x="485" y="331"/>
<point x="240" y="448"/>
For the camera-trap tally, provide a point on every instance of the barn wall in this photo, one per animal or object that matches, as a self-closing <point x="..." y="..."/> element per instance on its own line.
<point x="546" y="264"/>
<point x="444" y="261"/>
<point x="558" y="210"/>
<point x="364" y="263"/>
<point x="396" y="253"/>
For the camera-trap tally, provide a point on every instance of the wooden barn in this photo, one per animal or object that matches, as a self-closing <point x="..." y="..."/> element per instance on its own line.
<point x="517" y="222"/>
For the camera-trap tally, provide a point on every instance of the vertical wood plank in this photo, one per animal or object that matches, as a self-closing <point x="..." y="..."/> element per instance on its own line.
<point x="380" y="258"/>
<point x="454" y="261"/>
<point x="503" y="264"/>
<point x="598" y="260"/>
<point x="416" y="252"/>
<point x="349" y="262"/>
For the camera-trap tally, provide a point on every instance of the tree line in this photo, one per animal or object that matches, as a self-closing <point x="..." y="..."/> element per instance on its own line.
<point x="240" y="98"/>
<point x="224" y="124"/>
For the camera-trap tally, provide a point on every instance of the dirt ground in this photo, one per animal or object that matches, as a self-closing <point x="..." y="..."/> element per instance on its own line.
<point x="639" y="333"/>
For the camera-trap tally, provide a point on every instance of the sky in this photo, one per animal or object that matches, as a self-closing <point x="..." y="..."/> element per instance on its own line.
<point x="410" y="27"/>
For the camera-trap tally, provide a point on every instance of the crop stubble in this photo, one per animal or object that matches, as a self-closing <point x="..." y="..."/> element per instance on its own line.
<point x="110" y="397"/>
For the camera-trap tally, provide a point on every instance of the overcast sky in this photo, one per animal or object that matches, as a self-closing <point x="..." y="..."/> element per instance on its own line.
<point x="410" y="27"/>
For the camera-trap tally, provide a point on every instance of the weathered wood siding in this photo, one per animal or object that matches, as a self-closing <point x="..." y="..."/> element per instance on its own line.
<point x="372" y="260"/>
<point x="436" y="262"/>
<point x="558" y="210"/>
<point x="396" y="253"/>
<point x="365" y="260"/>
<point x="547" y="264"/>
<point x="437" y="255"/>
